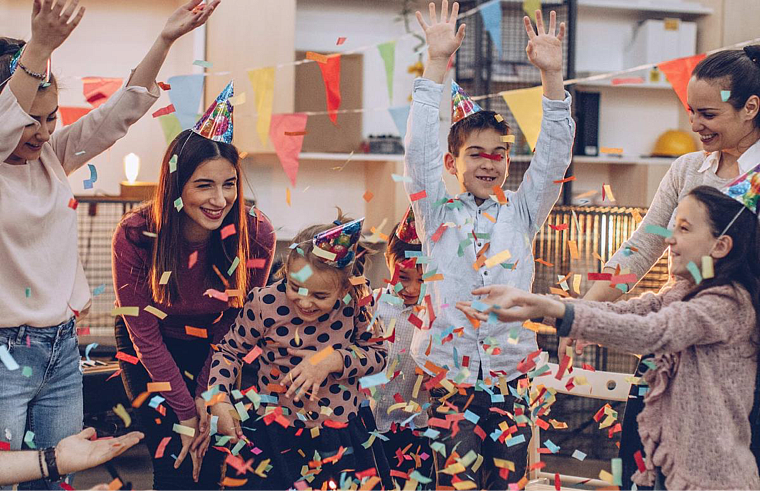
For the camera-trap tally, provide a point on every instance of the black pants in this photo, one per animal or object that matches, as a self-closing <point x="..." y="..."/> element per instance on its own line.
<point x="630" y="441"/>
<point x="405" y="461"/>
<point x="488" y="475"/>
<point x="190" y="357"/>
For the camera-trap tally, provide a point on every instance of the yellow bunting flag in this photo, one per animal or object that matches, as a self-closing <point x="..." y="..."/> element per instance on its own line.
<point x="525" y="105"/>
<point x="262" y="80"/>
<point x="530" y="7"/>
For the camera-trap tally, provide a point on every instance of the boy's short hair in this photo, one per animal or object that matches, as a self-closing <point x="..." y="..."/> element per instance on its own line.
<point x="397" y="248"/>
<point x="479" y="121"/>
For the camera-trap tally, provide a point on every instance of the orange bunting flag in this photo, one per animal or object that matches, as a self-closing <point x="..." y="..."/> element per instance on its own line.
<point x="678" y="73"/>
<point x="288" y="147"/>
<point x="331" y="76"/>
<point x="72" y="114"/>
<point x="97" y="90"/>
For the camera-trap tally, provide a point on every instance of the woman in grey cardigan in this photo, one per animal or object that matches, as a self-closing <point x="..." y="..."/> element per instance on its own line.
<point x="724" y="110"/>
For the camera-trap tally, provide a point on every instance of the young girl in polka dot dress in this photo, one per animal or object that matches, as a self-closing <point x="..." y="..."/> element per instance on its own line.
<point x="311" y="339"/>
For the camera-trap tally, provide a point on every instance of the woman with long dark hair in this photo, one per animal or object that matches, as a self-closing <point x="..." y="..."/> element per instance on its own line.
<point x="186" y="259"/>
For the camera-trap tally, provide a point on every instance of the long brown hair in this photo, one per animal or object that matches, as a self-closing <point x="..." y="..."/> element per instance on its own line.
<point x="163" y="219"/>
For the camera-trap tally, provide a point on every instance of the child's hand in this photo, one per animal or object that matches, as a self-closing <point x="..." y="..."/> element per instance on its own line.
<point x="512" y="304"/>
<point x="308" y="376"/>
<point x="186" y="18"/>
<point x="545" y="49"/>
<point x="227" y="424"/>
<point x="51" y="24"/>
<point x="443" y="38"/>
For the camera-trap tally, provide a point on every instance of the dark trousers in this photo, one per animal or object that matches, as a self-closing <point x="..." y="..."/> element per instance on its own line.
<point x="190" y="357"/>
<point x="402" y="447"/>
<point x="630" y="441"/>
<point x="488" y="476"/>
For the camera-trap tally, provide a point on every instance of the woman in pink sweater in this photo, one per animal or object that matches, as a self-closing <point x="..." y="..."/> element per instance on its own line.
<point x="703" y="332"/>
<point x="42" y="283"/>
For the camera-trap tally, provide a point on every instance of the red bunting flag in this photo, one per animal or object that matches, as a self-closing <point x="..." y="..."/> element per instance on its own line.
<point x="678" y="73"/>
<point x="97" y="90"/>
<point x="331" y="76"/>
<point x="72" y="114"/>
<point x="288" y="147"/>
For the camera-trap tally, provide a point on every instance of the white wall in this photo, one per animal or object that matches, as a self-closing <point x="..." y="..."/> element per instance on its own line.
<point x="111" y="40"/>
<point x="319" y="23"/>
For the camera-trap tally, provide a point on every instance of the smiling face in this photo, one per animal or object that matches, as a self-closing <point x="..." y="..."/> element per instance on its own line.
<point x="207" y="197"/>
<point x="692" y="237"/>
<point x="482" y="163"/>
<point x="322" y="289"/>
<point x="44" y="109"/>
<point x="409" y="277"/>
<point x="719" y="125"/>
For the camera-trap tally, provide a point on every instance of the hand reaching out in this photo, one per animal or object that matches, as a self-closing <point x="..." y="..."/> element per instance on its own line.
<point x="308" y="376"/>
<point x="51" y="24"/>
<point x="443" y="39"/>
<point x="512" y="304"/>
<point x="78" y="452"/>
<point x="544" y="48"/>
<point x="186" y="18"/>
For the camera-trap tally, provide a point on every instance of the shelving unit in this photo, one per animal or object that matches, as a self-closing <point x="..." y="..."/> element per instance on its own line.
<point x="648" y="7"/>
<point x="622" y="160"/>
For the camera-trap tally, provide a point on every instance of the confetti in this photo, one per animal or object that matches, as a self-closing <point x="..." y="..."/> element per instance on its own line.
<point x="26" y="372"/>
<point x="133" y="311"/>
<point x="165" y="277"/>
<point x="608" y="191"/>
<point x="233" y="266"/>
<point x="368" y="196"/>
<point x="610" y="150"/>
<point x="203" y="63"/>
<point x="636" y="215"/>
<point x="319" y="58"/>
<point x="197" y="332"/>
<point x="192" y="260"/>
<point x="164" y="86"/>
<point x="398" y="178"/>
<point x="296" y="133"/>
<point x="577" y="454"/>
<point x="287" y="196"/>
<point x="159" y="387"/>
<point x="340" y="41"/>
<point x="303" y="274"/>
<point x="73" y="204"/>
<point x="694" y="270"/>
<point x="123" y="414"/>
<point x="98" y="290"/>
<point x="173" y="164"/>
<point x="178" y="203"/>
<point x="183" y="430"/>
<point x="27" y="292"/>
<point x="120" y="355"/>
<point x="303" y="291"/>
<point x="708" y="269"/>
<point x="152" y="310"/>
<point x="29" y="439"/>
<point x="657" y="230"/>
<point x="164" y="111"/>
<point x="238" y="100"/>
<point x="725" y="95"/>
<point x="227" y="231"/>
<point x="545" y="263"/>
<point x="162" y="447"/>
<point x="321" y="355"/>
<point x="492" y="156"/>
<point x="567" y="179"/>
<point x="508" y="138"/>
<point x="256" y="263"/>
<point x="417" y="196"/>
<point x="498" y="117"/>
<point x="499" y="258"/>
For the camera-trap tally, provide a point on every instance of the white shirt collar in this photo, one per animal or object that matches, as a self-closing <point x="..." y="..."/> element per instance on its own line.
<point x="749" y="159"/>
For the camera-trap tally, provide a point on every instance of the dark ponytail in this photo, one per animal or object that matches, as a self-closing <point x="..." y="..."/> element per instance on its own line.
<point x="741" y="68"/>
<point x="741" y="266"/>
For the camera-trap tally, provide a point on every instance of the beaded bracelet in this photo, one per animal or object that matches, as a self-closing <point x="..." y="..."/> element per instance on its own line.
<point x="38" y="76"/>
<point x="42" y="469"/>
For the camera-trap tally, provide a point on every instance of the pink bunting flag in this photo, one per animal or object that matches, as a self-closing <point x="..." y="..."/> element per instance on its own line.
<point x="331" y="77"/>
<point x="288" y="147"/>
<point x="678" y="73"/>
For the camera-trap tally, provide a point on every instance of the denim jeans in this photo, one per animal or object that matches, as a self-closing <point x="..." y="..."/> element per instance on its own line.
<point x="47" y="401"/>
<point x="488" y="475"/>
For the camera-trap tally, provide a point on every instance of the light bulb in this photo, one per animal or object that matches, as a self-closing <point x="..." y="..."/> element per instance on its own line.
<point x="131" y="167"/>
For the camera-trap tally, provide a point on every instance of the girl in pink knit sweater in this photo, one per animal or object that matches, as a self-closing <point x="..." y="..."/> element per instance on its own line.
<point x="695" y="426"/>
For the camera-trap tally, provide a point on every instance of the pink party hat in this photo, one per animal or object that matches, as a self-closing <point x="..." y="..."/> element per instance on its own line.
<point x="407" y="231"/>
<point x="461" y="104"/>
<point x="337" y="246"/>
<point x="216" y="124"/>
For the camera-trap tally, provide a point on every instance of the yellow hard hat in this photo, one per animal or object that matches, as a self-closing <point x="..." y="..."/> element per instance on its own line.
<point x="674" y="143"/>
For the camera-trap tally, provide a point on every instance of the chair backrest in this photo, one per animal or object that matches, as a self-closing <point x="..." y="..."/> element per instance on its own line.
<point x="609" y="386"/>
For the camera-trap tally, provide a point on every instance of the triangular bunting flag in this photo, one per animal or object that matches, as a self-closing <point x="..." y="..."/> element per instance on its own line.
<point x="388" y="53"/>
<point x="288" y="147"/>
<point x="331" y="77"/>
<point x="186" y="94"/>
<point x="530" y="7"/>
<point x="400" y="115"/>
<point x="97" y="90"/>
<point x="491" y="13"/>
<point x="171" y="126"/>
<point x="72" y="114"/>
<point x="262" y="80"/>
<point x="525" y="105"/>
<point x="678" y="73"/>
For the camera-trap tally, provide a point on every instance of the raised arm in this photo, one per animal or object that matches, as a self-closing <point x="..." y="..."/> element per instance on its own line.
<point x="186" y="18"/>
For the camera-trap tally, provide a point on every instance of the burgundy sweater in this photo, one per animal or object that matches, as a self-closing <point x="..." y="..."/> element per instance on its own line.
<point x="131" y="256"/>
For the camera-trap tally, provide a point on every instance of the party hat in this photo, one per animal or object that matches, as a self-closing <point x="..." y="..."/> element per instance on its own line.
<point x="461" y="104"/>
<point x="216" y="124"/>
<point x="406" y="231"/>
<point x="337" y="246"/>
<point x="746" y="189"/>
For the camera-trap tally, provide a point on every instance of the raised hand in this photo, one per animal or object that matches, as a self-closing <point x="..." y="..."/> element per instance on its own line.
<point x="51" y="24"/>
<point x="186" y="18"/>
<point x="544" y="48"/>
<point x="442" y="36"/>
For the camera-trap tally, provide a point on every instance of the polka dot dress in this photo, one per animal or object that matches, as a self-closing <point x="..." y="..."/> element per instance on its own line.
<point x="268" y="320"/>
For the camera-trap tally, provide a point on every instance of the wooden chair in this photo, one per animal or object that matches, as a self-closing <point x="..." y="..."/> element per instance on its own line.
<point x="608" y="386"/>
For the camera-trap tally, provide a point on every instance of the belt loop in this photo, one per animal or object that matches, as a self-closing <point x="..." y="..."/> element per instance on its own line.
<point x="20" y="334"/>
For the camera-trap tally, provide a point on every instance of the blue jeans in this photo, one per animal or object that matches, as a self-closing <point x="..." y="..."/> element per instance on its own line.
<point x="47" y="401"/>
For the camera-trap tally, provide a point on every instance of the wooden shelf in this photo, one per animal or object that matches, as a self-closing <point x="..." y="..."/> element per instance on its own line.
<point x="624" y="160"/>
<point x="666" y="7"/>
